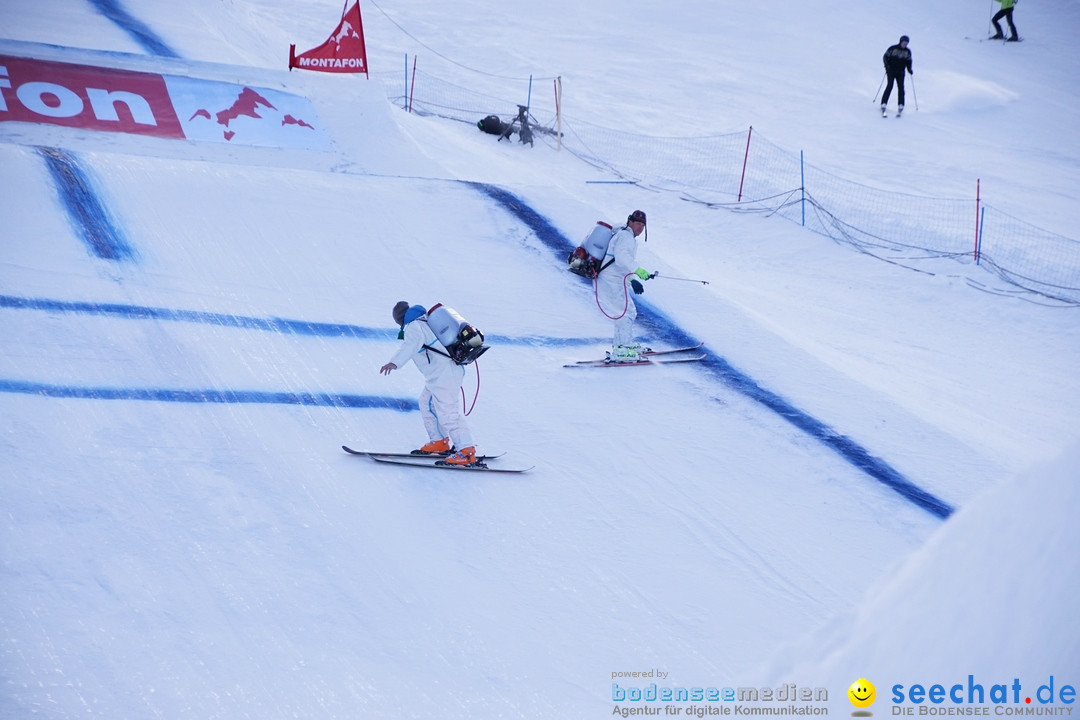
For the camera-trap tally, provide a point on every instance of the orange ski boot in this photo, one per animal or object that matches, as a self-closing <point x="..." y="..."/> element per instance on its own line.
<point x="435" y="447"/>
<point x="464" y="456"/>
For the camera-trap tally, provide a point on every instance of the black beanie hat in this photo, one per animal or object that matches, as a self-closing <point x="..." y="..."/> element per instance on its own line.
<point x="399" y="312"/>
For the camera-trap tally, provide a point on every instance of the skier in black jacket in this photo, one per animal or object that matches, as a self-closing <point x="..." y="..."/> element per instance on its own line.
<point x="897" y="59"/>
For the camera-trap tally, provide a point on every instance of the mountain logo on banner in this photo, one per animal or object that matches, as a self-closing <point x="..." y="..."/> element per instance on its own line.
<point x="245" y="115"/>
<point x="247" y="104"/>
<point x="343" y="52"/>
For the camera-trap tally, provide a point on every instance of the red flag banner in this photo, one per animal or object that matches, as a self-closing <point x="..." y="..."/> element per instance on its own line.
<point x="343" y="51"/>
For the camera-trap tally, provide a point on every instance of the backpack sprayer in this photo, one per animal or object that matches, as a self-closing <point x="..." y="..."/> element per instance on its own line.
<point x="588" y="258"/>
<point x="463" y="342"/>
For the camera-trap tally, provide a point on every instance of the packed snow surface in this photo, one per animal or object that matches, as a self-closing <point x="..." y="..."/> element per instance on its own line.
<point x="873" y="474"/>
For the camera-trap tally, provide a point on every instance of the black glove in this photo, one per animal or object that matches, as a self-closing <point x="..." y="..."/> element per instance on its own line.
<point x="638" y="289"/>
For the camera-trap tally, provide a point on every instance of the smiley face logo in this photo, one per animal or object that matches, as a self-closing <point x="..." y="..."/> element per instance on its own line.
<point x="862" y="693"/>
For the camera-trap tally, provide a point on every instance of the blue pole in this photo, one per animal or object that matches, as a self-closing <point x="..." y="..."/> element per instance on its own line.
<point x="528" y="99"/>
<point x="802" y="185"/>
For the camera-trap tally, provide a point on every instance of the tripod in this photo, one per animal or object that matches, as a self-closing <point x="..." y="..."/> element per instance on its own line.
<point x="521" y="124"/>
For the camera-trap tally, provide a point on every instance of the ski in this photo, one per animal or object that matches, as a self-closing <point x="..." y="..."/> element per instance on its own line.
<point x="422" y="462"/>
<point x="638" y="363"/>
<point x="415" y="455"/>
<point x="688" y="348"/>
<point x="646" y="354"/>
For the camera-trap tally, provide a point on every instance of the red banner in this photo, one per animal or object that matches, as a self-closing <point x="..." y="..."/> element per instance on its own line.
<point x="40" y="91"/>
<point x="103" y="99"/>
<point x="343" y="51"/>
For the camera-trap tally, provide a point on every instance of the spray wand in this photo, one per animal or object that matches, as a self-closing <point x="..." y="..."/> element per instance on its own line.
<point x="668" y="277"/>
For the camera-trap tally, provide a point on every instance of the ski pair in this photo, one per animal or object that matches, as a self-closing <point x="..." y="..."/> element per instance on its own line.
<point x="433" y="461"/>
<point x="648" y="357"/>
<point x="414" y="454"/>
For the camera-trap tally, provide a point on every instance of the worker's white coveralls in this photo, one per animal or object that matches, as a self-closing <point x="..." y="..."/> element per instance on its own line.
<point x="613" y="285"/>
<point x="440" y="402"/>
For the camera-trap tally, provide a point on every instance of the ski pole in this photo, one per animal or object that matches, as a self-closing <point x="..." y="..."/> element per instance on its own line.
<point x="881" y="85"/>
<point x="668" y="277"/>
<point x="914" y="94"/>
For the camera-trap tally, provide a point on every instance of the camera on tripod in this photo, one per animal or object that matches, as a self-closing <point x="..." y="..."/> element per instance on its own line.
<point x="521" y="124"/>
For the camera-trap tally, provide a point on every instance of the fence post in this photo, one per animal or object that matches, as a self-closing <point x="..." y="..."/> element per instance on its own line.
<point x="802" y="186"/>
<point x="978" y="244"/>
<point x="412" y="92"/>
<point x="745" y="156"/>
<point x="558" y="113"/>
<point x="978" y="234"/>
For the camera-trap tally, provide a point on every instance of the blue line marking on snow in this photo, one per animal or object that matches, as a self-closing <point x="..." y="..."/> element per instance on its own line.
<point x="270" y="324"/>
<point x="137" y="29"/>
<point x="140" y="312"/>
<point x="208" y="396"/>
<point x="548" y="233"/>
<point x="845" y="446"/>
<point x="667" y="330"/>
<point x="88" y="216"/>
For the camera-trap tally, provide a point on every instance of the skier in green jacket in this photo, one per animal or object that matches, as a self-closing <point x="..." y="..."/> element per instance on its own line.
<point x="1006" y="12"/>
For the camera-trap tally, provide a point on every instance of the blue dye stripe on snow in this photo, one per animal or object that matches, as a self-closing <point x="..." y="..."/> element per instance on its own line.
<point x="141" y="312"/>
<point x="137" y="29"/>
<point x="88" y="216"/>
<point x="849" y="449"/>
<point x="271" y="324"/>
<point x="667" y="330"/>
<point x="208" y="396"/>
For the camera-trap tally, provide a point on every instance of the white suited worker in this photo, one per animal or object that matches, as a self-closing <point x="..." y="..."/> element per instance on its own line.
<point x="440" y="401"/>
<point x="619" y="277"/>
